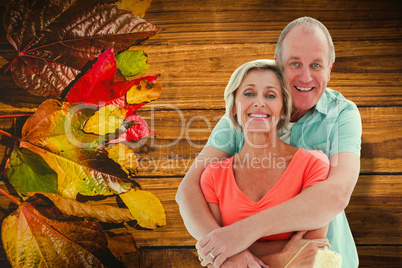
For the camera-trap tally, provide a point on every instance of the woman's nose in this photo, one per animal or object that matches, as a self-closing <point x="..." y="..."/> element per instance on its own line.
<point x="259" y="102"/>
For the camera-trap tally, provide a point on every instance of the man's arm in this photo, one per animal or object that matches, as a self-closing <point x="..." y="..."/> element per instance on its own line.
<point x="193" y="208"/>
<point x="314" y="208"/>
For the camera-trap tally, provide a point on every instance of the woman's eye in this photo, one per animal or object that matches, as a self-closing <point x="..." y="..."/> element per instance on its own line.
<point x="271" y="96"/>
<point x="248" y="94"/>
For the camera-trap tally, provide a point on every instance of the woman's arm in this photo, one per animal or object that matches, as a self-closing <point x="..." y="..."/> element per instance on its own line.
<point x="314" y="208"/>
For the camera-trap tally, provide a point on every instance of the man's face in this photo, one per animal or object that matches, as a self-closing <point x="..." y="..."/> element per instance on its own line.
<point x="305" y="61"/>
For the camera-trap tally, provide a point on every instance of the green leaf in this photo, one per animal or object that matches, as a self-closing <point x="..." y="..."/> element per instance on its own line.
<point x="28" y="172"/>
<point x="131" y="63"/>
<point x="55" y="133"/>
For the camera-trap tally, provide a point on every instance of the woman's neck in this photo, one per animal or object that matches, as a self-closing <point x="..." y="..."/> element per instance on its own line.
<point x="261" y="144"/>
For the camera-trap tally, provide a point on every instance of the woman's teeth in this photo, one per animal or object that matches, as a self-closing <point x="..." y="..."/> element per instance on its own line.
<point x="259" y="115"/>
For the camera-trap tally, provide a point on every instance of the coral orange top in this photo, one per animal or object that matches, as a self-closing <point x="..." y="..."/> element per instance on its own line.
<point x="219" y="186"/>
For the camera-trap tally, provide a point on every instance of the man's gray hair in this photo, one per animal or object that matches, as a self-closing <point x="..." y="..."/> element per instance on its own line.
<point x="309" y="24"/>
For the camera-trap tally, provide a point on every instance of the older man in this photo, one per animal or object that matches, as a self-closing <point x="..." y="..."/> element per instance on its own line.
<point x="322" y="119"/>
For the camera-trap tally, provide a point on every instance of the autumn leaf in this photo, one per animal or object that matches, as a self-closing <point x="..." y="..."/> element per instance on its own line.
<point x="37" y="234"/>
<point x="97" y="87"/>
<point x="27" y="171"/>
<point x="89" y="209"/>
<point x="145" y="207"/>
<point x="94" y="86"/>
<point x="121" y="244"/>
<point x="106" y="120"/>
<point x="3" y="61"/>
<point x="56" y="39"/>
<point x="131" y="63"/>
<point x="120" y="89"/>
<point x="124" y="156"/>
<point x="144" y="92"/>
<point x="138" y="131"/>
<point x="55" y="133"/>
<point x="138" y="7"/>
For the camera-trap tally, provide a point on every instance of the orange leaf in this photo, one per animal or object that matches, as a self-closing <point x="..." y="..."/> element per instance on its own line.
<point x="89" y="209"/>
<point x="37" y="234"/>
<point x="143" y="92"/>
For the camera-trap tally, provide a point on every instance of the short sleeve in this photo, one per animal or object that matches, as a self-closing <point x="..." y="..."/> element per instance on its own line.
<point x="317" y="169"/>
<point x="347" y="132"/>
<point x="207" y="186"/>
<point x="225" y="137"/>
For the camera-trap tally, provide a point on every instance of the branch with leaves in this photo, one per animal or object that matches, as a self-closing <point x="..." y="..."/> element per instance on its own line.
<point x="79" y="146"/>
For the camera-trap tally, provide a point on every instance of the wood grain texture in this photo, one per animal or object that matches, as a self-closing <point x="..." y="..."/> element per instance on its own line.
<point x="201" y="45"/>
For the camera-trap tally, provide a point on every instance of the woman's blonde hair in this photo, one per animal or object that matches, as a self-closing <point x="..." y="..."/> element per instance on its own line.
<point x="238" y="76"/>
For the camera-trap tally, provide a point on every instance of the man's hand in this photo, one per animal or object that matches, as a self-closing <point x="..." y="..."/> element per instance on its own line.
<point x="240" y="260"/>
<point x="243" y="259"/>
<point x="224" y="242"/>
<point x="306" y="257"/>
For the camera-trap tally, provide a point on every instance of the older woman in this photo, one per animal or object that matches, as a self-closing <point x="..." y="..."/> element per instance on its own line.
<point x="267" y="171"/>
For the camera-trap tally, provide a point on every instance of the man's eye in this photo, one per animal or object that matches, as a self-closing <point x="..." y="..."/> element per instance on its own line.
<point x="294" y="64"/>
<point x="316" y="65"/>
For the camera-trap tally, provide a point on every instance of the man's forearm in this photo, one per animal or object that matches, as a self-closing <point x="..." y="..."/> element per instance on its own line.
<point x="195" y="211"/>
<point x="314" y="208"/>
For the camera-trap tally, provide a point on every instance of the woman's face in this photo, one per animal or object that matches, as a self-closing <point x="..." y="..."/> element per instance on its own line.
<point x="258" y="101"/>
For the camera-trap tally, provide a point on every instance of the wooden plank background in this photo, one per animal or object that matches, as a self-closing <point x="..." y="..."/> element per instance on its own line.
<point x="201" y="45"/>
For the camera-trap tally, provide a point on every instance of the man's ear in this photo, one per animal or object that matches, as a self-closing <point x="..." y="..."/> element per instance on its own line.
<point x="329" y="71"/>
<point x="276" y="60"/>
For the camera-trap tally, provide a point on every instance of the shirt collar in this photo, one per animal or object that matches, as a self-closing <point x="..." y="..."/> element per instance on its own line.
<point x="322" y="104"/>
<point x="320" y="107"/>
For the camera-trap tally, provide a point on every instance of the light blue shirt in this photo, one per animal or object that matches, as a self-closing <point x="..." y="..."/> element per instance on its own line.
<point x="332" y="126"/>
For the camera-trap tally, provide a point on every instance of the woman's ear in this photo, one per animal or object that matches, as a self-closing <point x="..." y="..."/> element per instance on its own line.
<point x="234" y="109"/>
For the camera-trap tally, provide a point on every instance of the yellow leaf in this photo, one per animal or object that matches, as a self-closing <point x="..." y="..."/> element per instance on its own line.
<point x="138" y="7"/>
<point x="124" y="156"/>
<point x="106" y="120"/>
<point x="143" y="92"/>
<point x="3" y="61"/>
<point x="145" y="208"/>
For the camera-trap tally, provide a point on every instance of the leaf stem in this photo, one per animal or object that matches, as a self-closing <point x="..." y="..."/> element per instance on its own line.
<point x="14" y="115"/>
<point x="10" y="197"/>
<point x="10" y="135"/>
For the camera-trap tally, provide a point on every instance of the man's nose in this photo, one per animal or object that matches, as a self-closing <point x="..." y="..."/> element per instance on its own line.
<point x="305" y="75"/>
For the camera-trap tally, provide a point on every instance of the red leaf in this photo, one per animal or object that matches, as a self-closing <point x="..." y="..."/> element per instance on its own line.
<point x="137" y="131"/>
<point x="94" y="86"/>
<point x="55" y="39"/>
<point x="120" y="89"/>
